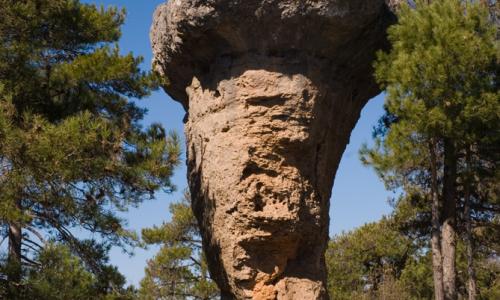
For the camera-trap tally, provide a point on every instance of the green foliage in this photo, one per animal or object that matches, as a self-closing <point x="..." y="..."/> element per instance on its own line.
<point x="416" y="277"/>
<point x="442" y="114"/>
<point x="442" y="76"/>
<point x="72" y="150"/>
<point x="362" y="260"/>
<point x="179" y="270"/>
<point x="379" y="261"/>
<point x="441" y="81"/>
<point x="62" y="276"/>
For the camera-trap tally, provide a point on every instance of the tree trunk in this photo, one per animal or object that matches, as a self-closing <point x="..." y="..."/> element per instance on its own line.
<point x="471" y="284"/>
<point x="14" y="259"/>
<point x="14" y="263"/>
<point x="437" y="259"/>
<point x="15" y="255"/>
<point x="448" y="235"/>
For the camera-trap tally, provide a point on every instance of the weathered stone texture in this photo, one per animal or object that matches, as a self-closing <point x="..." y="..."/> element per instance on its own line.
<point x="272" y="90"/>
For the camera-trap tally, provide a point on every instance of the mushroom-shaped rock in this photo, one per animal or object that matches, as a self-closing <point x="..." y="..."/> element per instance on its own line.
<point x="272" y="90"/>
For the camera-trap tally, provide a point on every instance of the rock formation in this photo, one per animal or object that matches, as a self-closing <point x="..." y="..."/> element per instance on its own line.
<point x="272" y="90"/>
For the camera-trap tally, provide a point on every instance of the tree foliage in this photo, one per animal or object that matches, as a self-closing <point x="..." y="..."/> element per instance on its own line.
<point x="438" y="142"/>
<point x="179" y="270"/>
<point x="63" y="276"/>
<point x="382" y="261"/>
<point x="360" y="262"/>
<point x="72" y="150"/>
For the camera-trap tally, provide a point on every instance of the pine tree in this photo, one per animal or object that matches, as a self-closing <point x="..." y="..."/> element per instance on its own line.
<point x="72" y="150"/>
<point x="179" y="270"/>
<point x="366" y="260"/>
<point x="390" y="259"/>
<point x="63" y="276"/>
<point x="440" y="136"/>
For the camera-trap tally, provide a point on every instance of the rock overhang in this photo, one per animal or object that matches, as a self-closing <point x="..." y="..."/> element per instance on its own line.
<point x="189" y="37"/>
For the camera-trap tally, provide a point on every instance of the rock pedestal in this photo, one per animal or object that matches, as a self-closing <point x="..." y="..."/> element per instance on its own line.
<point x="272" y="90"/>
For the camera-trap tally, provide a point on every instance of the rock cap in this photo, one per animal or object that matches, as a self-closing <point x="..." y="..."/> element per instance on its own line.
<point x="188" y="36"/>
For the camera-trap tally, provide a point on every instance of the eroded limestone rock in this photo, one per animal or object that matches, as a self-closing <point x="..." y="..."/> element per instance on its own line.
<point x="272" y="90"/>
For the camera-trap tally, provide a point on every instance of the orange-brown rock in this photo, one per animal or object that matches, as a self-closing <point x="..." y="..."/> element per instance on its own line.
<point x="272" y="90"/>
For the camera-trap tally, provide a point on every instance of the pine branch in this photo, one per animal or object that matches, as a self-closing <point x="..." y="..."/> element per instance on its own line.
<point x="32" y="242"/>
<point x="37" y="234"/>
<point x="31" y="247"/>
<point x="29" y="261"/>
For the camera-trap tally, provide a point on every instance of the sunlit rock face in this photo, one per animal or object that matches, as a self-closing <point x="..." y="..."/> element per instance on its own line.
<point x="272" y="91"/>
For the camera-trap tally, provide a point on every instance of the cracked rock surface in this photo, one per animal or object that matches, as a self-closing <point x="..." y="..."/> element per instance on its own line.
<point x="272" y="90"/>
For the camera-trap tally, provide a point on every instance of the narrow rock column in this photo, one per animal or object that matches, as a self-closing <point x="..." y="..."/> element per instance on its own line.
<point x="263" y="150"/>
<point x="269" y="116"/>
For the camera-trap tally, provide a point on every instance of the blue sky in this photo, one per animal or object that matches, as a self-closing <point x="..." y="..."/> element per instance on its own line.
<point x="358" y="195"/>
